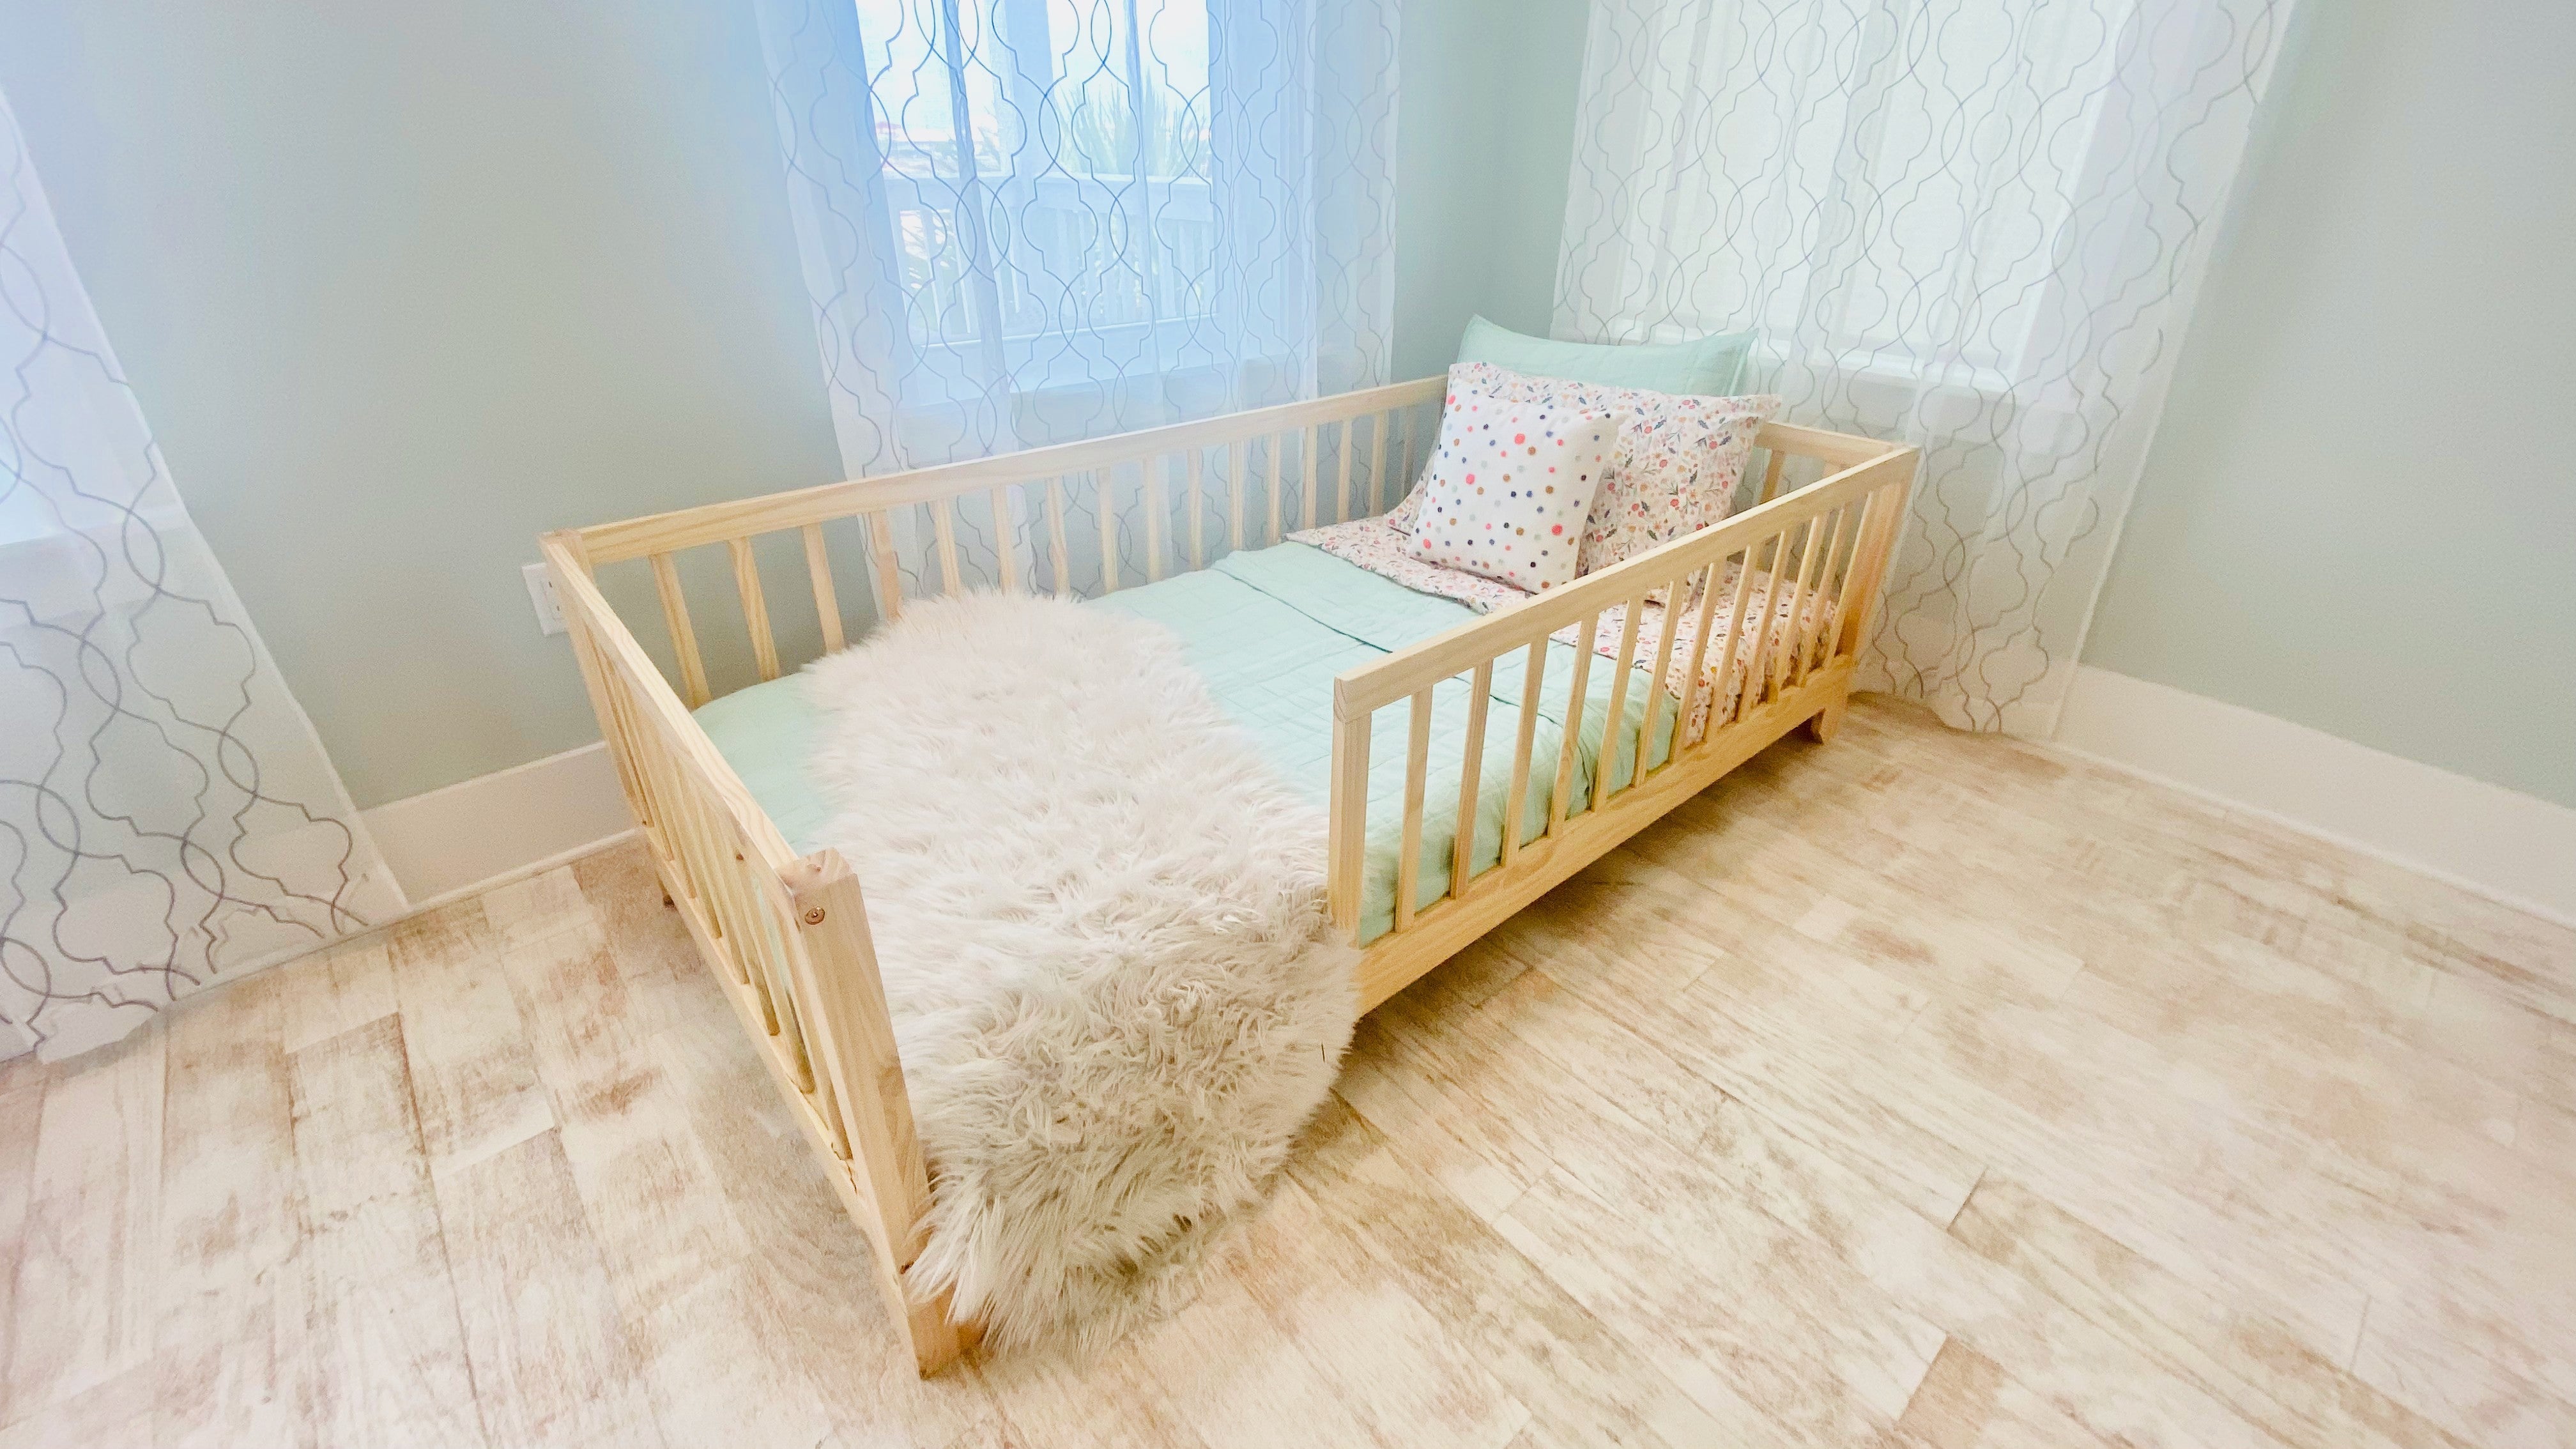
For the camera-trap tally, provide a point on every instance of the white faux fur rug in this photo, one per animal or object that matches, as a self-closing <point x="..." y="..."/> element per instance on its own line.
<point x="1100" y="918"/>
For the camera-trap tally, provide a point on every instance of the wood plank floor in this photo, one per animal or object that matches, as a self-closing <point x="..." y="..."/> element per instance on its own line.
<point x="1919" y="1090"/>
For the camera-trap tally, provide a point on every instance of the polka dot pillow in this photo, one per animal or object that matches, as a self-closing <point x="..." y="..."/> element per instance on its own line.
<point x="1509" y="487"/>
<point x="1675" y="471"/>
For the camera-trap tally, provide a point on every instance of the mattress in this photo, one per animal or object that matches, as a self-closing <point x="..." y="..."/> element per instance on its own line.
<point x="1268" y="630"/>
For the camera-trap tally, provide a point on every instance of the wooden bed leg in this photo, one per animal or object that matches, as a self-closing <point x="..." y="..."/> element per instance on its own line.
<point x="1822" y="725"/>
<point x="937" y="1340"/>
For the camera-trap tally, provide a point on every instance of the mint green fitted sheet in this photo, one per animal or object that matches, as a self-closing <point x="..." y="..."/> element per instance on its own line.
<point x="1268" y="630"/>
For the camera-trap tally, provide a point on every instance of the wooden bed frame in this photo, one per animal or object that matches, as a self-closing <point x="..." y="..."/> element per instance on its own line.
<point x="787" y="935"/>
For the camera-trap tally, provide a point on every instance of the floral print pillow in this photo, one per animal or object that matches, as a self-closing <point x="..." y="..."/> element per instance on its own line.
<point x="1510" y="486"/>
<point x="1675" y="471"/>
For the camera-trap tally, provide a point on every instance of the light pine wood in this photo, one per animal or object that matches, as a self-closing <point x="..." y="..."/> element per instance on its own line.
<point x="1342" y="474"/>
<point x="1153" y="521"/>
<point x="1234" y="451"/>
<point x="1616" y="712"/>
<point x="1480" y="697"/>
<point x="827" y="600"/>
<point x="1533" y="683"/>
<point x="1924" y="1090"/>
<point x="1197" y="485"/>
<point x="684" y="637"/>
<point x="1055" y="536"/>
<point x="1005" y="551"/>
<point x="1306" y="464"/>
<point x="1278" y="486"/>
<point x="1417" y="763"/>
<point x="1379" y="501"/>
<point x="1560" y="795"/>
<point x="755" y="607"/>
<point x="881" y="562"/>
<point x="726" y="867"/>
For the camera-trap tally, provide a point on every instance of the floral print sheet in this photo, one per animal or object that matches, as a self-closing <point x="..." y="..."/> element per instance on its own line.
<point x="1373" y="545"/>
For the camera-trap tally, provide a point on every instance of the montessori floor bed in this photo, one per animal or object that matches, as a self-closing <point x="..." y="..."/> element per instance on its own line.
<point x="1422" y="726"/>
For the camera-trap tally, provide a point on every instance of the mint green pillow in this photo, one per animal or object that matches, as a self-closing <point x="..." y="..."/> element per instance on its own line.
<point x="1707" y="367"/>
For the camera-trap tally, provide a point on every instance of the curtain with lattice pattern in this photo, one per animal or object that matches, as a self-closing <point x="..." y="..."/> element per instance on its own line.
<point x="1029" y="221"/>
<point x="167" y="818"/>
<point x="1974" y="226"/>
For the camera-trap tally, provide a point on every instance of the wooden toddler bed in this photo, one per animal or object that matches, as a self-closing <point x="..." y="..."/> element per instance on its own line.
<point x="786" y="931"/>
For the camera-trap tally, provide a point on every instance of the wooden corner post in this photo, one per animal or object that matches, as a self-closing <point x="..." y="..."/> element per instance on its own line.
<point x="857" y="1047"/>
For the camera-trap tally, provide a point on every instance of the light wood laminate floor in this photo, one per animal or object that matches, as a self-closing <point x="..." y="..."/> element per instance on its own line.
<point x="1917" y="1090"/>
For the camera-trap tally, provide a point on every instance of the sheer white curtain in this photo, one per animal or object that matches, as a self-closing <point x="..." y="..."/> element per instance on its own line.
<point x="167" y="818"/>
<point x="1025" y="221"/>
<point x="1976" y="225"/>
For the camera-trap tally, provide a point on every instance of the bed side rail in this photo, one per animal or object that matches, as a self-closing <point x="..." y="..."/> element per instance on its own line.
<point x="787" y="936"/>
<point x="1821" y="550"/>
<point x="1076" y="519"/>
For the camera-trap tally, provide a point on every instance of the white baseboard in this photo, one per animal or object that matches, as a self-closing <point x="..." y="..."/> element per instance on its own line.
<point x="456" y="839"/>
<point x="2496" y="842"/>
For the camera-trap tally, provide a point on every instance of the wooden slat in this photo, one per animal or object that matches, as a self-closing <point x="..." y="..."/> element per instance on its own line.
<point x="755" y="607"/>
<point x="1771" y="476"/>
<point x="1377" y="463"/>
<point x="1346" y="839"/>
<point x="1104" y="501"/>
<point x="952" y="579"/>
<point x="1574" y="709"/>
<point x="1534" y="671"/>
<point x="888" y="571"/>
<point x="1783" y="654"/>
<point x="1852" y="581"/>
<point x="684" y="638"/>
<point x="1870" y="568"/>
<point x="1824" y="581"/>
<point x="1003" y="549"/>
<point x="1471" y="763"/>
<point x="1278" y="484"/>
<point x="1655" y="690"/>
<point x="1198" y="508"/>
<point x="1153" y="521"/>
<point x="1343" y="477"/>
<point x="1735" y="627"/>
<point x="1417" y="762"/>
<point x="1758" y="682"/>
<point x="1404" y="451"/>
<point x="1234" y="484"/>
<point x="827" y="600"/>
<point x="1306" y="471"/>
<point x="1055" y="538"/>
<point x="716" y="522"/>
<point x="1692" y="680"/>
<point x="1614" y="724"/>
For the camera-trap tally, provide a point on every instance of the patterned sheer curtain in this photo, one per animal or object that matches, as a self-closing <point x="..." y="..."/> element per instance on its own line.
<point x="1028" y="221"/>
<point x="1976" y="226"/>
<point x="167" y="818"/>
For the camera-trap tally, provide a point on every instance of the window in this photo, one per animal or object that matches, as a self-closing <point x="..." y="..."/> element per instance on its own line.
<point x="1046" y="173"/>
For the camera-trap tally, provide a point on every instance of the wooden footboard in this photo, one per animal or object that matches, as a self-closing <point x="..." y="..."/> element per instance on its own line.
<point x="787" y="935"/>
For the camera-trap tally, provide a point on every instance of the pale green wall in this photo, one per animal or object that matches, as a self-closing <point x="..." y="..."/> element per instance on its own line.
<point x="1483" y="141"/>
<point x="2360" y="510"/>
<point x="401" y="285"/>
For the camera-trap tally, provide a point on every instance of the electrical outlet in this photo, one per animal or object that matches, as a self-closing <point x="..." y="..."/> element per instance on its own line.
<point x="541" y="592"/>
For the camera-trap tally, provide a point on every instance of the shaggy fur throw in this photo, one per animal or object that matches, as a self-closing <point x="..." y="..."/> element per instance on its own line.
<point x="1100" y="918"/>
